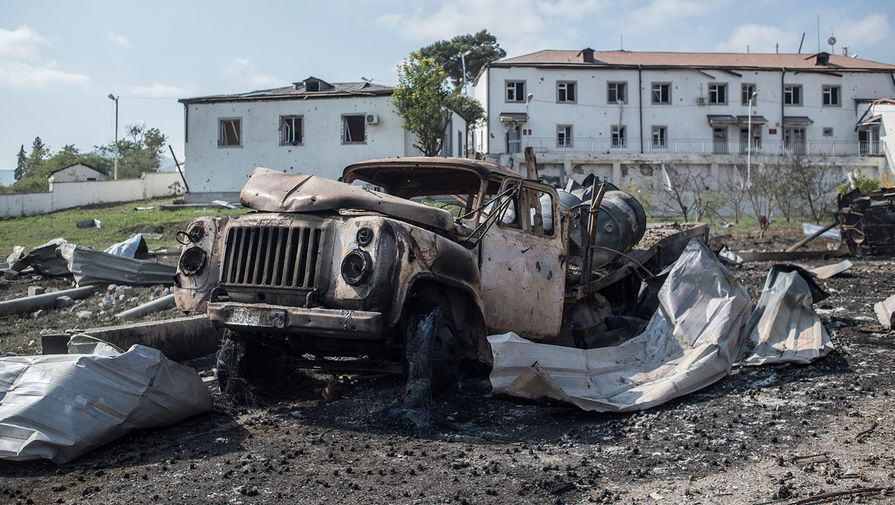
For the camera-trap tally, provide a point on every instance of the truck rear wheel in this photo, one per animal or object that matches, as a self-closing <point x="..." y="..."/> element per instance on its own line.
<point x="431" y="354"/>
<point x="242" y="363"/>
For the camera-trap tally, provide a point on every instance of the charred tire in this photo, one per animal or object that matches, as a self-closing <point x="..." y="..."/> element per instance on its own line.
<point x="431" y="354"/>
<point x="242" y="365"/>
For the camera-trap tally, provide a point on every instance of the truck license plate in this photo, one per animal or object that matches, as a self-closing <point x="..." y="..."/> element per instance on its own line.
<point x="264" y="318"/>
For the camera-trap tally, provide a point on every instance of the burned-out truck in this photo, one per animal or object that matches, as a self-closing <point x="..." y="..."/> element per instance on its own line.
<point x="404" y="266"/>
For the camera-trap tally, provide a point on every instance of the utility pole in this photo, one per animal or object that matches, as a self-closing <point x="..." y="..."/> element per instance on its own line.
<point x="463" y="64"/>
<point x="115" y="99"/>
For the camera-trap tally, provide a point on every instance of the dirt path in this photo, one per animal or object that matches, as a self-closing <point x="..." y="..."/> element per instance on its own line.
<point x="769" y="434"/>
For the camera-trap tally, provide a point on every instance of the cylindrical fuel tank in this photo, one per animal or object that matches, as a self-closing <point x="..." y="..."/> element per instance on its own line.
<point x="621" y="223"/>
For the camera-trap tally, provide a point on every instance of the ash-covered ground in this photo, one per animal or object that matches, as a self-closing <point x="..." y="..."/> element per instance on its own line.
<point x="778" y="434"/>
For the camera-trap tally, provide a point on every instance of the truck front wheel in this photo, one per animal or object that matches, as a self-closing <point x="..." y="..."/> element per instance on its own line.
<point x="431" y="354"/>
<point x="242" y="363"/>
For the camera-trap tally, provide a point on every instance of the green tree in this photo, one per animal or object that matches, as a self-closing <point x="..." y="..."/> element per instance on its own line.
<point x="21" y="163"/>
<point x="140" y="151"/>
<point x="468" y="108"/>
<point x="482" y="48"/>
<point x="420" y="98"/>
<point x="39" y="154"/>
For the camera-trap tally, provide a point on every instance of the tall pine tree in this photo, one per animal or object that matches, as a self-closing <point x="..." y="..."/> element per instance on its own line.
<point x="21" y="163"/>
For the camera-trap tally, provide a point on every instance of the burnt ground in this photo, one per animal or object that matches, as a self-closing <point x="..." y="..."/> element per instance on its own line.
<point x="776" y="434"/>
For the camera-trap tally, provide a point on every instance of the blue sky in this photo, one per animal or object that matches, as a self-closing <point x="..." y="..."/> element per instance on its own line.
<point x="60" y="59"/>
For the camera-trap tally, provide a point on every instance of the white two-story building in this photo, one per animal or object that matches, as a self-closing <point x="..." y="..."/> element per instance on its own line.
<point x="311" y="127"/>
<point x="608" y="112"/>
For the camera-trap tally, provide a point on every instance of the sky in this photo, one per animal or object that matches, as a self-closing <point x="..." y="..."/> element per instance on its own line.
<point x="59" y="60"/>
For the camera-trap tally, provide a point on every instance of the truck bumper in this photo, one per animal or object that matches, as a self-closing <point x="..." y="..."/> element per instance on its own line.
<point x="254" y="317"/>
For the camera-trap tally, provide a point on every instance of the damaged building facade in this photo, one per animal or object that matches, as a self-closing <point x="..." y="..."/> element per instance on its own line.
<point x="621" y="115"/>
<point x="311" y="126"/>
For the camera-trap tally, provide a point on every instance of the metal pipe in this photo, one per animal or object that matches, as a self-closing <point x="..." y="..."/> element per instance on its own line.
<point x="813" y="236"/>
<point x="148" y="308"/>
<point x="30" y="303"/>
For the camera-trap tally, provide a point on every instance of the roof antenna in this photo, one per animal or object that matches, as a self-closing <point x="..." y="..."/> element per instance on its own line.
<point x="777" y="48"/>
<point x="621" y="42"/>
<point x="802" y="42"/>
<point x="368" y="81"/>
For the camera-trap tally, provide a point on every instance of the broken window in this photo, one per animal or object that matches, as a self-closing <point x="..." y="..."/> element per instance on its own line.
<point x="718" y="94"/>
<point x="616" y="92"/>
<point x="565" y="91"/>
<point x="756" y="139"/>
<point x="354" y="129"/>
<point x="747" y="90"/>
<point x="661" y="93"/>
<point x="564" y="136"/>
<point x="719" y="136"/>
<point x="792" y="94"/>
<point x="229" y="132"/>
<point x="291" y="130"/>
<point x="515" y="91"/>
<point x="618" y="136"/>
<point x="794" y="140"/>
<point x="831" y="95"/>
<point x="660" y="137"/>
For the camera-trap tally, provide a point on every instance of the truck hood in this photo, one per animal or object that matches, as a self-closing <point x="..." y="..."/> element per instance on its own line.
<point x="271" y="191"/>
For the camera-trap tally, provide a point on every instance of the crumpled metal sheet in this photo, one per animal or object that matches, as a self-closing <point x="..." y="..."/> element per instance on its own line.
<point x="784" y="328"/>
<point x="128" y="248"/>
<point x="691" y="341"/>
<point x="96" y="267"/>
<point x="61" y="406"/>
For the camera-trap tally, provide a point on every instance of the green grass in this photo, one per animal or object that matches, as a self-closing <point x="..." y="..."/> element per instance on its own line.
<point x="119" y="221"/>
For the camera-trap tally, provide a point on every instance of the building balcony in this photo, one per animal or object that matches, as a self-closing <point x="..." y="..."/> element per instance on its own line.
<point x="762" y="147"/>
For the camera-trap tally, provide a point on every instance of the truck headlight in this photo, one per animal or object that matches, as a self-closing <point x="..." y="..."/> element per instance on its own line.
<point x="356" y="267"/>
<point x="193" y="260"/>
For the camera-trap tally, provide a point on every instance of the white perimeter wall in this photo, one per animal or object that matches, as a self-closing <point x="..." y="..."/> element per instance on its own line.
<point x="67" y="195"/>
<point x="212" y="169"/>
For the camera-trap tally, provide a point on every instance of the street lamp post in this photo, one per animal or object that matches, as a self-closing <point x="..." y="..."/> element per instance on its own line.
<point x="749" y="142"/>
<point x="115" y="99"/>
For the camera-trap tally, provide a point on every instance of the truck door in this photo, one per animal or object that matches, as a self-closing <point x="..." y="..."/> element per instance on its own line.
<point x="523" y="268"/>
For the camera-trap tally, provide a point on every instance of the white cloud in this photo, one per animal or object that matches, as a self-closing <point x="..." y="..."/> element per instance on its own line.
<point x="520" y="25"/>
<point x="161" y="91"/>
<point x="243" y="72"/>
<point x="760" y="39"/>
<point x="21" y="64"/>
<point x="662" y="13"/>
<point x="863" y="33"/>
<point x="119" y="40"/>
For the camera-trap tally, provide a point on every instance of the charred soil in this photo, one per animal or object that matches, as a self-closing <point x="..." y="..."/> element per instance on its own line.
<point x="767" y="434"/>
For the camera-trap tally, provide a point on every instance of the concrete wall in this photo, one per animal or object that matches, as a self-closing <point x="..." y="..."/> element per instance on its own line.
<point x="643" y="172"/>
<point x="66" y="195"/>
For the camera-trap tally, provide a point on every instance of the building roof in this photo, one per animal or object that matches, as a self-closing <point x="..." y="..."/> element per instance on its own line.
<point x="614" y="59"/>
<point x="98" y="170"/>
<point x="309" y="88"/>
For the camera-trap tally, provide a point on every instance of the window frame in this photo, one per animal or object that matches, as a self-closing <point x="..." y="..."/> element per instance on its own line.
<point x="618" y="136"/>
<point x="664" y="136"/>
<point x="345" y="117"/>
<point x="239" y="135"/>
<point x="624" y="93"/>
<point x="746" y="90"/>
<point x="506" y="91"/>
<point x="574" y="85"/>
<point x="718" y="88"/>
<point x="653" y="86"/>
<point x="567" y="133"/>
<point x="794" y="91"/>
<point x="823" y="94"/>
<point x="301" y="135"/>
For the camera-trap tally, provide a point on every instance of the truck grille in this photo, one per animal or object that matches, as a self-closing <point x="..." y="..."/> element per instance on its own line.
<point x="272" y="256"/>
